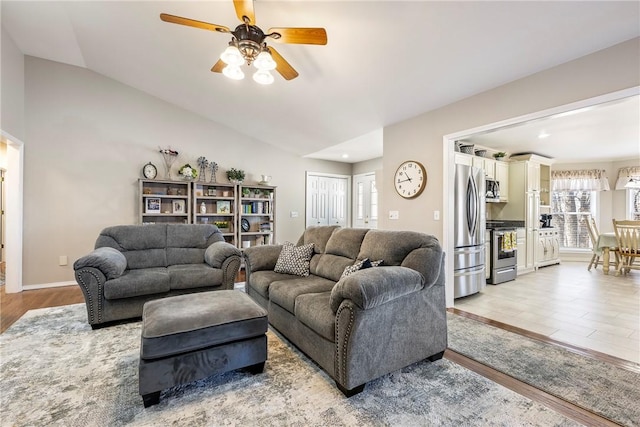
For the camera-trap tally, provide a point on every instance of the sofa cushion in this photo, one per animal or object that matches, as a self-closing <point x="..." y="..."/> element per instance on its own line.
<point x="285" y="292"/>
<point x="187" y="243"/>
<point x="108" y="260"/>
<point x="135" y="283"/>
<point x="142" y="246"/>
<point x="261" y="280"/>
<point x="314" y="311"/>
<point x="318" y="236"/>
<point x="294" y="259"/>
<point x="188" y="276"/>
<point x="346" y="242"/>
<point x="332" y="266"/>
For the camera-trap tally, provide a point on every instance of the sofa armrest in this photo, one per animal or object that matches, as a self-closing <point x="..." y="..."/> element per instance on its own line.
<point x="375" y="286"/>
<point x="109" y="261"/>
<point x="217" y="253"/>
<point x="262" y="257"/>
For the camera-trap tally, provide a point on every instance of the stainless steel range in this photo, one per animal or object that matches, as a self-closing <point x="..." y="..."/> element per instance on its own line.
<point x="504" y="255"/>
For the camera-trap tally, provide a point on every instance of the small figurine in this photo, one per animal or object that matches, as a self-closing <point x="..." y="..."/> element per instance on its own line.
<point x="214" y="169"/>
<point x="203" y="163"/>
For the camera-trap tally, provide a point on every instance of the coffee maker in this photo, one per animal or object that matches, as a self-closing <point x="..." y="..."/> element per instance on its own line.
<point x="545" y="221"/>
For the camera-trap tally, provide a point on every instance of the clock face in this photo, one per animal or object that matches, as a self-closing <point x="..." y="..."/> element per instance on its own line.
<point x="149" y="171"/>
<point x="410" y="179"/>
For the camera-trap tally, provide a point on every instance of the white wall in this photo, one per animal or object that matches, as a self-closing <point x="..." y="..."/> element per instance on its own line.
<point x="88" y="138"/>
<point x="421" y="138"/>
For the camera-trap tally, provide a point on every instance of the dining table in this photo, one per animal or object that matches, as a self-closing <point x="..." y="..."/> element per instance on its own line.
<point x="606" y="242"/>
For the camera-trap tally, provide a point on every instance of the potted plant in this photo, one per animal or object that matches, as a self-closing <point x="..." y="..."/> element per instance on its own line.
<point x="188" y="172"/>
<point x="500" y="155"/>
<point x="235" y="176"/>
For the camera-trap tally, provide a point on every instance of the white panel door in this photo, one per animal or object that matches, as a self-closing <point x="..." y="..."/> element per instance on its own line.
<point x="337" y="196"/>
<point x="327" y="200"/>
<point x="365" y="201"/>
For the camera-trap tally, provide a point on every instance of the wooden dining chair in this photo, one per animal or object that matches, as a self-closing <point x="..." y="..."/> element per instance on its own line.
<point x="628" y="240"/>
<point x="593" y="235"/>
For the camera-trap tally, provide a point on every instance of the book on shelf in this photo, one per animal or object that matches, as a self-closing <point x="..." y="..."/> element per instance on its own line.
<point x="257" y="208"/>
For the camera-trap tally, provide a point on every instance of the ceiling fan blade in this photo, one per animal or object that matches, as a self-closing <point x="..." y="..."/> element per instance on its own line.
<point x="282" y="66"/>
<point x="299" y="35"/>
<point x="245" y="8"/>
<point x="218" y="66"/>
<point x="193" y="23"/>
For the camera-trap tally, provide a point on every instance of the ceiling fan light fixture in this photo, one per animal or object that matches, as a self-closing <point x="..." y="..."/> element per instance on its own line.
<point x="231" y="56"/>
<point x="264" y="61"/>
<point x="263" y="77"/>
<point x="233" y="72"/>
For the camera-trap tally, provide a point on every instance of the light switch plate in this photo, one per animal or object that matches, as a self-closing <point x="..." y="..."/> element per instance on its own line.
<point x="394" y="214"/>
<point x="436" y="215"/>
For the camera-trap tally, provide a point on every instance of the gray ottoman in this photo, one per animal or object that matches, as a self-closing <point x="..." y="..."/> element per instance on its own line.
<point x="190" y="337"/>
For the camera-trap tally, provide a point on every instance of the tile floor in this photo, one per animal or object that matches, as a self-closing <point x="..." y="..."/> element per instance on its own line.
<point x="568" y="303"/>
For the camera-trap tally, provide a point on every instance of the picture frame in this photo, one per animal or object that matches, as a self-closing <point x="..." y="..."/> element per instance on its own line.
<point x="152" y="205"/>
<point x="223" y="207"/>
<point x="178" y="206"/>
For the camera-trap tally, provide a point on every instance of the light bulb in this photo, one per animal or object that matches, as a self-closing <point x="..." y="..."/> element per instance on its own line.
<point x="233" y="72"/>
<point x="264" y="61"/>
<point x="263" y="77"/>
<point x="231" y="56"/>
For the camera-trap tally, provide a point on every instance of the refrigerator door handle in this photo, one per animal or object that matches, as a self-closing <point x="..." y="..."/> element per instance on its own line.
<point x="472" y="206"/>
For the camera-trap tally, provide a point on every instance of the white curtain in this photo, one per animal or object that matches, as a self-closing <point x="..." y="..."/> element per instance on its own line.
<point x="576" y="180"/>
<point x="625" y="174"/>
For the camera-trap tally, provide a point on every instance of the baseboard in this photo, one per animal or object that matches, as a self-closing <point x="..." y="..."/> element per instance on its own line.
<point x="49" y="285"/>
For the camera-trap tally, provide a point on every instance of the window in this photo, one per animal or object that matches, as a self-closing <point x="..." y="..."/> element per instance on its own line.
<point x="570" y="209"/>
<point x="633" y="203"/>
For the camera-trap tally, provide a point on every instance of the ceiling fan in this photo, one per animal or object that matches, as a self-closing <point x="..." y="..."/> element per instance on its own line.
<point x="248" y="44"/>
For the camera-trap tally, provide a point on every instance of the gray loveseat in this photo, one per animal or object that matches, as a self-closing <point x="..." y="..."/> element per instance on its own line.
<point x="133" y="264"/>
<point x="365" y="325"/>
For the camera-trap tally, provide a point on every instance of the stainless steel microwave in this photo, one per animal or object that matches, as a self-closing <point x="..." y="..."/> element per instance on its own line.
<point x="492" y="190"/>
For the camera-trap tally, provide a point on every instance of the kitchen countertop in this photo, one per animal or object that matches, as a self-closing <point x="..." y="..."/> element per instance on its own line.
<point x="491" y="224"/>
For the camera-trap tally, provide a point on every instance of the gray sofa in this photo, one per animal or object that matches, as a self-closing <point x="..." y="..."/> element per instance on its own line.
<point x="370" y="323"/>
<point x="133" y="264"/>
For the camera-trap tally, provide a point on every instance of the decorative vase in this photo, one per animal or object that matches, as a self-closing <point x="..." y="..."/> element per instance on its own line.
<point x="236" y="181"/>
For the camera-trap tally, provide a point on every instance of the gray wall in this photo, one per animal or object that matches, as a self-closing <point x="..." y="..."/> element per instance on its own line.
<point x="12" y="87"/>
<point x="87" y="139"/>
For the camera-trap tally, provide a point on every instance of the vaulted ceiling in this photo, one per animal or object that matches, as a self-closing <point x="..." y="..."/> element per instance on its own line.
<point x="385" y="61"/>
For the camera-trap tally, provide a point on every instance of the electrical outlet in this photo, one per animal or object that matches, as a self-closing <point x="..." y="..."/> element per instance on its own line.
<point x="62" y="260"/>
<point x="394" y="215"/>
<point x="294" y="214"/>
<point x="436" y="215"/>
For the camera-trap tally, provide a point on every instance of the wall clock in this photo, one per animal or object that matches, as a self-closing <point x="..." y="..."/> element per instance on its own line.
<point x="149" y="171"/>
<point x="410" y="179"/>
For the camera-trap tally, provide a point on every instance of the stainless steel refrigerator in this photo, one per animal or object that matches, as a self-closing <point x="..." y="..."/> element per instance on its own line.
<point x="469" y="237"/>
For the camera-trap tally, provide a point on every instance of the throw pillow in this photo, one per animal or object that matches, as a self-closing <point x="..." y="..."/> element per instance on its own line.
<point x="359" y="265"/>
<point x="294" y="259"/>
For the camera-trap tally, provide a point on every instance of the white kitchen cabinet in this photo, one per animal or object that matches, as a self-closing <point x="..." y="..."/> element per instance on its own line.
<point x="502" y="176"/>
<point x="463" y="159"/>
<point x="524" y="204"/>
<point x="548" y="248"/>
<point x="521" y="242"/>
<point x="487" y="165"/>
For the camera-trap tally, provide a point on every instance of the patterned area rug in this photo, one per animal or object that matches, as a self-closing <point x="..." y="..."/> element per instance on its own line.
<point x="56" y="370"/>
<point x="599" y="387"/>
